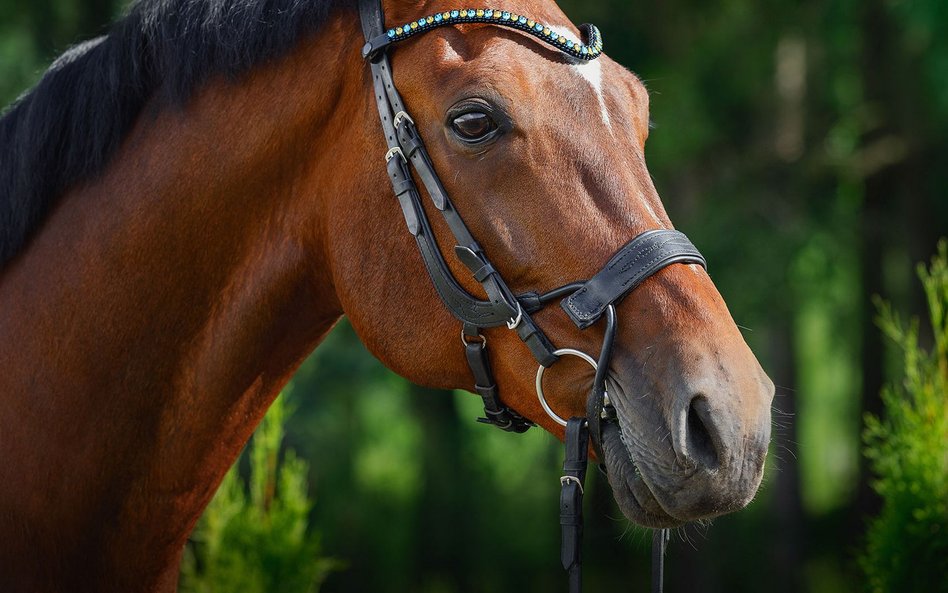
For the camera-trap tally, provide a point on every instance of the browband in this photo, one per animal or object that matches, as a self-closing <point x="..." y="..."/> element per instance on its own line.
<point x="590" y="50"/>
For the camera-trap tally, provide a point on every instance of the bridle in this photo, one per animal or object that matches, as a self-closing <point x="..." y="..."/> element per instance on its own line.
<point x="584" y="302"/>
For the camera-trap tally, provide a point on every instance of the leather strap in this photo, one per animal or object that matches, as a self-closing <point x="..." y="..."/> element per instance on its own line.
<point x="495" y="412"/>
<point x="371" y="18"/>
<point x="571" y="500"/>
<point x="469" y="309"/>
<point x="596" y="408"/>
<point x="637" y="260"/>
<point x="659" y="543"/>
<point x="406" y="146"/>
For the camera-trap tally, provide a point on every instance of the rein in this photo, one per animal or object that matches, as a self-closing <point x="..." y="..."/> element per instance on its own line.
<point x="585" y="302"/>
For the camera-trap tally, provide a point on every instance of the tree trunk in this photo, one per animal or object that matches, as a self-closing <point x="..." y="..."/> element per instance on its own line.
<point x="788" y="518"/>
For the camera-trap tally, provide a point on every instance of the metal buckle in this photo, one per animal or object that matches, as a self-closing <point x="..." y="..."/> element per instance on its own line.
<point x="401" y="115"/>
<point x="392" y="152"/>
<point x="514" y="322"/>
<point x="567" y="479"/>
<point x="482" y="341"/>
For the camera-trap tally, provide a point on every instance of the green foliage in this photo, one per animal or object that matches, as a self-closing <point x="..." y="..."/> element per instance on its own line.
<point x="254" y="536"/>
<point x="907" y="547"/>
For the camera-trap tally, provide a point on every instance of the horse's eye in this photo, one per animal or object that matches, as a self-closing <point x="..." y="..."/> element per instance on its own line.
<point x="473" y="126"/>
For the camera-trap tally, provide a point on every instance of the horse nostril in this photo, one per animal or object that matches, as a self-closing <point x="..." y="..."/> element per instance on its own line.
<point x="702" y="436"/>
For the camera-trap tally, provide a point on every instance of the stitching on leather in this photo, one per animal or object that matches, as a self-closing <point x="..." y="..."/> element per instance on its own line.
<point x="599" y="304"/>
<point x="649" y="250"/>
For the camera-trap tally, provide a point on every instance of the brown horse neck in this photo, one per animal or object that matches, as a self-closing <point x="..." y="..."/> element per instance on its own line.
<point x="157" y="313"/>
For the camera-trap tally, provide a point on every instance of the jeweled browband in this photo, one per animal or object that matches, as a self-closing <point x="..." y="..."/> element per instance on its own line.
<point x="590" y="50"/>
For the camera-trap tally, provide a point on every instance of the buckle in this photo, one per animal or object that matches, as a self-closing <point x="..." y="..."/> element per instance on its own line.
<point x="515" y="321"/>
<point x="567" y="479"/>
<point x="506" y="419"/>
<point x="478" y="339"/>
<point x="402" y="116"/>
<point x="395" y="150"/>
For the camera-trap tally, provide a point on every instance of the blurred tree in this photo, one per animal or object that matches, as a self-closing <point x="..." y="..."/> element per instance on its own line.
<point x="444" y="508"/>
<point x="902" y="142"/>
<point x="33" y="33"/>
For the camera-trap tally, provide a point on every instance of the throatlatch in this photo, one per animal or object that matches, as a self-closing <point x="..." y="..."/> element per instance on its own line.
<point x="584" y="302"/>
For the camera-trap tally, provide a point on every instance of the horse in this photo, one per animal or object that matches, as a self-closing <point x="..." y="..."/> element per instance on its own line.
<point x="189" y="203"/>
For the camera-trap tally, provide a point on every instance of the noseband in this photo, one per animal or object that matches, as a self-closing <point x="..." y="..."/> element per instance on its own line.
<point x="585" y="302"/>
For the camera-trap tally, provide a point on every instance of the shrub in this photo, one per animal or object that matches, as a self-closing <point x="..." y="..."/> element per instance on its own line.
<point x="254" y="536"/>
<point x="907" y="544"/>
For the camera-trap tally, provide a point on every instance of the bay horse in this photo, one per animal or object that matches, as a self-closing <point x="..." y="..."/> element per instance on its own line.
<point x="189" y="203"/>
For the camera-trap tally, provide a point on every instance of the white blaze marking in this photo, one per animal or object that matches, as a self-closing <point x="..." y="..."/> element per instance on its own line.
<point x="591" y="72"/>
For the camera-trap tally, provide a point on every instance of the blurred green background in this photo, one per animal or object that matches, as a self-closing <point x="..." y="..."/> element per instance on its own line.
<point x="804" y="148"/>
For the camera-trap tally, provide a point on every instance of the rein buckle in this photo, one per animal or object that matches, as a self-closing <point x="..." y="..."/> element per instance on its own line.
<point x="564" y="480"/>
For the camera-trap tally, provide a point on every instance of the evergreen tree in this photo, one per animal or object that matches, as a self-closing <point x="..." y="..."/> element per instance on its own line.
<point x="907" y="544"/>
<point x="254" y="536"/>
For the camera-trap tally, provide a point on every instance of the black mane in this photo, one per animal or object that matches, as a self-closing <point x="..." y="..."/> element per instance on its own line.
<point x="66" y="129"/>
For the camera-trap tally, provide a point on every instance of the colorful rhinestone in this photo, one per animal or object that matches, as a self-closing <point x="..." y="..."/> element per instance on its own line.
<point x="589" y="51"/>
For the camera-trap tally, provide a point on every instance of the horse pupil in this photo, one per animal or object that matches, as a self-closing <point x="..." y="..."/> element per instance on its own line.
<point x="473" y="126"/>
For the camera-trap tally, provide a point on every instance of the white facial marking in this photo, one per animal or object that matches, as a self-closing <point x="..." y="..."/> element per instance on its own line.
<point x="591" y="71"/>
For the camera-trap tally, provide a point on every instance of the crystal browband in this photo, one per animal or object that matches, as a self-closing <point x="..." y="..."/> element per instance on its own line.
<point x="589" y="50"/>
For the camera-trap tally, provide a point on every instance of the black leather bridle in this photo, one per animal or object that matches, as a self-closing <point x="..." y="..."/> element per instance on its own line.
<point x="584" y="302"/>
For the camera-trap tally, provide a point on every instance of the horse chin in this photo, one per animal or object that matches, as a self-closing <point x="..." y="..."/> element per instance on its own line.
<point x="629" y="486"/>
<point x="631" y="482"/>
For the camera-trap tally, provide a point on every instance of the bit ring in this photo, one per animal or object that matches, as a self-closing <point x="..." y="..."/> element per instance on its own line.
<point x="561" y="352"/>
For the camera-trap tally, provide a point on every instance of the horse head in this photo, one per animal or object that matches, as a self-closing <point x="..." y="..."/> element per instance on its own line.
<point x="543" y="156"/>
<point x="188" y="204"/>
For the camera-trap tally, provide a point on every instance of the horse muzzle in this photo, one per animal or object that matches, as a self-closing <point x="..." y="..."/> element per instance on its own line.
<point x="689" y="453"/>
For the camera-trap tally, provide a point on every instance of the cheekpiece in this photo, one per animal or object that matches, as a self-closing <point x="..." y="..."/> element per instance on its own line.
<point x="589" y="50"/>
